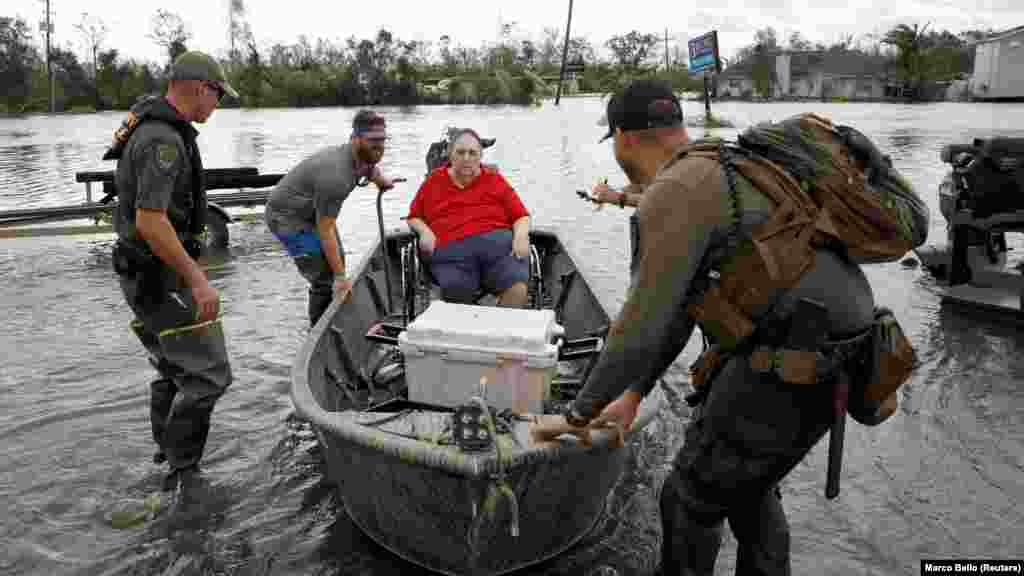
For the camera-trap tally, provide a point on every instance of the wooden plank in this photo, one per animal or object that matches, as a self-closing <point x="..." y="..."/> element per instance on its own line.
<point x="77" y="230"/>
<point x="220" y="182"/>
<point x="56" y="213"/>
<point x="994" y="299"/>
<point x="1008" y="220"/>
<point x="54" y="231"/>
<point x="108" y="175"/>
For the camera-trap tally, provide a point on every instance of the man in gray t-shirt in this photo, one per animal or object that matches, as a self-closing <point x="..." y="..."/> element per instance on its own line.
<point x="302" y="211"/>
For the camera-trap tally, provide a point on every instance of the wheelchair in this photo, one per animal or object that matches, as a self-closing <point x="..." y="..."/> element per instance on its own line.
<point x="419" y="287"/>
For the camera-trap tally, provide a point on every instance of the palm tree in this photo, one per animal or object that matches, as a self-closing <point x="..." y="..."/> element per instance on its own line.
<point x="910" y="44"/>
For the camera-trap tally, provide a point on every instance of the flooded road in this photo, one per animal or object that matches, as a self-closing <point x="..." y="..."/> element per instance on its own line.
<point x="941" y="479"/>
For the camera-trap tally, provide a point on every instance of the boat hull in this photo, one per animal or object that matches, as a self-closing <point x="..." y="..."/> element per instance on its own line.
<point x="451" y="511"/>
<point x="442" y="520"/>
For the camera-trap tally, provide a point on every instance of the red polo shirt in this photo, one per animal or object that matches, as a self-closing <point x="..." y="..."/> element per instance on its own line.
<point x="487" y="203"/>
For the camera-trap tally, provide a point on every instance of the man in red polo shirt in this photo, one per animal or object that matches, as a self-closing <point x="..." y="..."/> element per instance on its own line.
<point x="473" y="229"/>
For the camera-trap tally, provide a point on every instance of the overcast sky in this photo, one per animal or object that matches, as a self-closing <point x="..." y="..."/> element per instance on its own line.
<point x="472" y="22"/>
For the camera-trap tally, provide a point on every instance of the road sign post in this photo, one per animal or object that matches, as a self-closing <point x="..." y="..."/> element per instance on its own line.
<point x="704" y="59"/>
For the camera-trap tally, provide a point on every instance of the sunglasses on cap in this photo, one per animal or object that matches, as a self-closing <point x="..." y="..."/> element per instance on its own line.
<point x="375" y="135"/>
<point x="218" y="89"/>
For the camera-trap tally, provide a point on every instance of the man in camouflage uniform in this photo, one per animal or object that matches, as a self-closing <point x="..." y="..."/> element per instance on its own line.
<point x="160" y="214"/>
<point x="752" y="428"/>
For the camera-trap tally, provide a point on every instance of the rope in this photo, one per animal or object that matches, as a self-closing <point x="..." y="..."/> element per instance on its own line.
<point x="188" y="328"/>
<point x="499" y="486"/>
<point x="729" y="168"/>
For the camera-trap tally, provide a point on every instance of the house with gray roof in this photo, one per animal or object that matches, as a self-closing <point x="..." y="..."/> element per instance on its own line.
<point x="814" y="75"/>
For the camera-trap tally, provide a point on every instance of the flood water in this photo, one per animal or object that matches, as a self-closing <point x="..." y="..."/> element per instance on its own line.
<point x="941" y="479"/>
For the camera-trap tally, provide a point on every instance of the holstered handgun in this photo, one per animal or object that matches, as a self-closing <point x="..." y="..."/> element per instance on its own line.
<point x="146" y="268"/>
<point x="702" y="372"/>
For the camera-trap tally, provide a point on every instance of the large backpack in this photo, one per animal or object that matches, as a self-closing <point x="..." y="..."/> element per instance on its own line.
<point x="832" y="188"/>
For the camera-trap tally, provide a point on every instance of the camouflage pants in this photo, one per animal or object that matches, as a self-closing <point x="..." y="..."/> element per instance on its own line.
<point x="751" y="431"/>
<point x="193" y="364"/>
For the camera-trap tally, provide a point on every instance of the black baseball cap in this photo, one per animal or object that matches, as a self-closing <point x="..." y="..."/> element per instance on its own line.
<point x="642" y="104"/>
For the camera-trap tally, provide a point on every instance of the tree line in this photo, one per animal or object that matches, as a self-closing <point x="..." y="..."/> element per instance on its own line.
<point x="387" y="70"/>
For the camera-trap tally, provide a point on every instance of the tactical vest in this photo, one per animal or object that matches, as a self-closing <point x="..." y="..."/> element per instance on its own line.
<point x="157" y="108"/>
<point x="858" y="208"/>
<point x="854" y="205"/>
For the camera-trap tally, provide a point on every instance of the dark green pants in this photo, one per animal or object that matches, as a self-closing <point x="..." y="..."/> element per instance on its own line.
<point x="306" y="250"/>
<point x="193" y="364"/>
<point x="317" y="271"/>
<point x="752" y="430"/>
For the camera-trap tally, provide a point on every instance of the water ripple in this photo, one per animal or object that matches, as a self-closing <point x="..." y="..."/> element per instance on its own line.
<point x="940" y="477"/>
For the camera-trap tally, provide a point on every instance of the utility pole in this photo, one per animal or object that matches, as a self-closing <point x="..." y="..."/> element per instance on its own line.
<point x="231" y="30"/>
<point x="565" y="54"/>
<point x="49" y="59"/>
<point x="668" y="68"/>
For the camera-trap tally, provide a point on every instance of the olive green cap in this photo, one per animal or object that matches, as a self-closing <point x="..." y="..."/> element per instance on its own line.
<point x="196" y="65"/>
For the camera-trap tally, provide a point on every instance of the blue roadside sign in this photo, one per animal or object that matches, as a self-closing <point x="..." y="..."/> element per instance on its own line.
<point x="704" y="53"/>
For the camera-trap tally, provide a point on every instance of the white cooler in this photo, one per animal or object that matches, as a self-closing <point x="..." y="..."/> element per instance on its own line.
<point x="449" y="347"/>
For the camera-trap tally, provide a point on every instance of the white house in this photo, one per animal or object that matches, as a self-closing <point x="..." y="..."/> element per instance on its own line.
<point x="999" y="67"/>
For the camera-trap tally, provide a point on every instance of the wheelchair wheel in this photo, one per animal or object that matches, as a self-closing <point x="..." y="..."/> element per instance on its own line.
<point x="535" y="287"/>
<point x="410" y="273"/>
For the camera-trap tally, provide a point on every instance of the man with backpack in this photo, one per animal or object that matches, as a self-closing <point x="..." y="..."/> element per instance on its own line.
<point x="736" y="243"/>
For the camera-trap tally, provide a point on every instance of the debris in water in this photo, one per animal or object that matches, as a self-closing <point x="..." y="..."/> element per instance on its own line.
<point x="127" y="518"/>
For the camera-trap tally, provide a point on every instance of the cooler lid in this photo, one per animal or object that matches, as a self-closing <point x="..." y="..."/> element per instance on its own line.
<point x="485" y="328"/>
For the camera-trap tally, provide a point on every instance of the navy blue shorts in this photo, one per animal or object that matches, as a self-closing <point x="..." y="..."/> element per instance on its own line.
<point x="485" y="260"/>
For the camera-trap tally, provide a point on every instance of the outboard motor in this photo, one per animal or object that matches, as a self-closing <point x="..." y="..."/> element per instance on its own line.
<point x="437" y="154"/>
<point x="987" y="178"/>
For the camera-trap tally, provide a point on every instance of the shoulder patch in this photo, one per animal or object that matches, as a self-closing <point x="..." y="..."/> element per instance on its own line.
<point x="166" y="155"/>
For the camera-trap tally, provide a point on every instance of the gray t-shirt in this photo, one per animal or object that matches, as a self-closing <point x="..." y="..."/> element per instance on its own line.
<point x="314" y="188"/>
<point x="154" y="172"/>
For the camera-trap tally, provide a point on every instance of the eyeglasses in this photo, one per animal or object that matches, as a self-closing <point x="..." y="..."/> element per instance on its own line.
<point x="465" y="153"/>
<point x="217" y="89"/>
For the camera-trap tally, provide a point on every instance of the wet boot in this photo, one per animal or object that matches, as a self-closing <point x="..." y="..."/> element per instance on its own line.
<point x="180" y="478"/>
<point x="690" y="540"/>
<point x="762" y="537"/>
<point x="161" y="397"/>
<point x="187" y="429"/>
